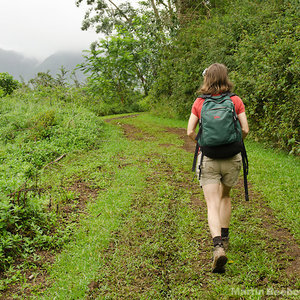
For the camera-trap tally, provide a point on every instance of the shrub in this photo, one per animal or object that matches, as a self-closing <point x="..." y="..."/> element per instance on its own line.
<point x="41" y="124"/>
<point x="7" y="84"/>
<point x="35" y="129"/>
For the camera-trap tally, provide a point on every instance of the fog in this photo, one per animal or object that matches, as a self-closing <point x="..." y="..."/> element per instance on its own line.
<point x="39" y="28"/>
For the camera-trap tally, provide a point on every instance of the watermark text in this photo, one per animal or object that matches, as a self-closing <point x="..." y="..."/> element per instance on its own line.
<point x="264" y="292"/>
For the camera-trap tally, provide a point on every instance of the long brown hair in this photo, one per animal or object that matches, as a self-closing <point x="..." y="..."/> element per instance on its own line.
<point x="216" y="80"/>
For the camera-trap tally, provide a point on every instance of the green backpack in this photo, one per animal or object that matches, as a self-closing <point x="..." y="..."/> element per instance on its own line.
<point x="219" y="126"/>
<point x="220" y="133"/>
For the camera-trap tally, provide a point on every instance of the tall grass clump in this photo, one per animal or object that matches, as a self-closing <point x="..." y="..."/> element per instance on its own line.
<point x="36" y="127"/>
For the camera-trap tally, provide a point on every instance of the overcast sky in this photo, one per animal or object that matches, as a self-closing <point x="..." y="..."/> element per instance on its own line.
<point x="39" y="28"/>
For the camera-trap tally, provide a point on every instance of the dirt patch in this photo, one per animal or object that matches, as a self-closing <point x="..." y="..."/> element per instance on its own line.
<point x="121" y="117"/>
<point x="188" y="145"/>
<point x="131" y="132"/>
<point x="85" y="194"/>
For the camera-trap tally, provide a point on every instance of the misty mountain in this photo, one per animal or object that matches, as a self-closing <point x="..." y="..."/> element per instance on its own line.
<point x="67" y="59"/>
<point x="20" y="66"/>
<point x="16" y="64"/>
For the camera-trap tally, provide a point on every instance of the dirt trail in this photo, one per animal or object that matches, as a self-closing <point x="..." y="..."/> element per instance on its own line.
<point x="280" y="239"/>
<point x="125" y="255"/>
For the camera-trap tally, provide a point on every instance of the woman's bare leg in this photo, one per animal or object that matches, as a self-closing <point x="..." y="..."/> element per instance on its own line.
<point x="212" y="196"/>
<point x="225" y="206"/>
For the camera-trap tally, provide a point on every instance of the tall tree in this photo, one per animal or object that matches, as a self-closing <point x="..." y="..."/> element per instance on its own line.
<point x="127" y="60"/>
<point x="104" y="15"/>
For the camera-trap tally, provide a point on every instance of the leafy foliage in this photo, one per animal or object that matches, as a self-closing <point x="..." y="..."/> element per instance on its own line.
<point x="259" y="42"/>
<point x="7" y="84"/>
<point x="104" y="15"/>
<point x="122" y="66"/>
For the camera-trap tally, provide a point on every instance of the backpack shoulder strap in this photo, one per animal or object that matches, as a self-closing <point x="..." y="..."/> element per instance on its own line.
<point x="204" y="96"/>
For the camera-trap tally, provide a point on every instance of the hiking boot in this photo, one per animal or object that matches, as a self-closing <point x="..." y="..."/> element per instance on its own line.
<point x="225" y="241"/>
<point x="219" y="260"/>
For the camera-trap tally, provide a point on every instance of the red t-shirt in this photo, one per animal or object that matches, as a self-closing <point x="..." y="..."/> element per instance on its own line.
<point x="237" y="101"/>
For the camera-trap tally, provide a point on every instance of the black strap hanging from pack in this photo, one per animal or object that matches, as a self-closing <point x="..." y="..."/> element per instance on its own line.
<point x="245" y="170"/>
<point x="195" y="157"/>
<point x="197" y="148"/>
<point x="200" y="164"/>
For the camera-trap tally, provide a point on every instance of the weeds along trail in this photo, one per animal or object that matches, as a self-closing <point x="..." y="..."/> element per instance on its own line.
<point x="80" y="192"/>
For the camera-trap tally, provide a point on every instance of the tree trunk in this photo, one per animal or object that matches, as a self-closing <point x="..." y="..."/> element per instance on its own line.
<point x="155" y="10"/>
<point x="143" y="80"/>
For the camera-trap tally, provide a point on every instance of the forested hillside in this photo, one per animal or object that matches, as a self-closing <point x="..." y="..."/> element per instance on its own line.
<point x="162" y="47"/>
<point x="259" y="42"/>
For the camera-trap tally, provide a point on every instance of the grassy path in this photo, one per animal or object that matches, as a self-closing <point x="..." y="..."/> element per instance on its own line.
<point x="164" y="249"/>
<point x="144" y="234"/>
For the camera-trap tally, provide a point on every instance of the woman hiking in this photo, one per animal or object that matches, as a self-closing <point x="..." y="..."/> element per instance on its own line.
<point x="218" y="175"/>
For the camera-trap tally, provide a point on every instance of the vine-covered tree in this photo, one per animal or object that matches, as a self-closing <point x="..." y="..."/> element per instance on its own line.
<point x="104" y="15"/>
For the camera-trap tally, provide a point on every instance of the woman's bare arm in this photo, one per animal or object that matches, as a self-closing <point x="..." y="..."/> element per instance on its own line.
<point x="191" y="129"/>
<point x="244" y="124"/>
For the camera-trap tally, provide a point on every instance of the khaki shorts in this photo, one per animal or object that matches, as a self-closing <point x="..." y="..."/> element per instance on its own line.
<point x="219" y="170"/>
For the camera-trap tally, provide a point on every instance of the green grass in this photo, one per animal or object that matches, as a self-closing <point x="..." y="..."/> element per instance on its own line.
<point x="276" y="176"/>
<point x="158" y="245"/>
<point x="80" y="261"/>
<point x="145" y="237"/>
<point x="34" y="131"/>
